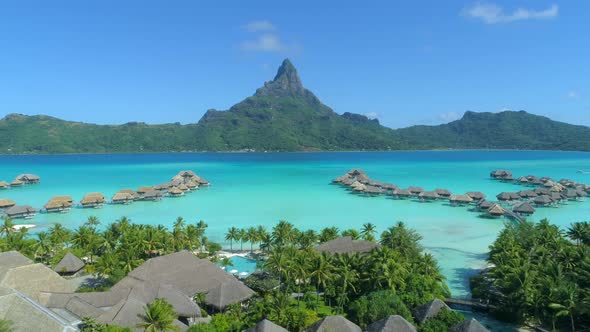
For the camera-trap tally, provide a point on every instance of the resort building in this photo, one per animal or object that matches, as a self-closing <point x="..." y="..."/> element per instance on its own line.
<point x="346" y="245"/>
<point x="93" y="200"/>
<point x="69" y="265"/>
<point x="6" y="203"/>
<point x="4" y="185"/>
<point x="470" y="325"/>
<point x="393" y="323"/>
<point x="152" y="195"/>
<point x="429" y="310"/>
<point x="266" y="326"/>
<point x="16" y="183"/>
<point x="29" y="178"/>
<point x="20" y="212"/>
<point x="59" y="204"/>
<point x="333" y="323"/>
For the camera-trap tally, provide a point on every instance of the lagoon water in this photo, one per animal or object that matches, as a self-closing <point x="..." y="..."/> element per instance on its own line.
<point x="263" y="188"/>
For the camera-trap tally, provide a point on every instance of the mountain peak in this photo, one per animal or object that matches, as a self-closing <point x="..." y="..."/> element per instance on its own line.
<point x="286" y="82"/>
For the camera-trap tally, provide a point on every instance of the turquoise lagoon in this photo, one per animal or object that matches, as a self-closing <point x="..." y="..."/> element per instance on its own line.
<point x="263" y="188"/>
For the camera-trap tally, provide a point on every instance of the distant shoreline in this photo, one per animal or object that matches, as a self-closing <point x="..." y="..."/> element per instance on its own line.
<point x="282" y="152"/>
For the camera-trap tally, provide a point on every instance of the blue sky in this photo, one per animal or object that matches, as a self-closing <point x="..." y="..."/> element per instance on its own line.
<point x="410" y="62"/>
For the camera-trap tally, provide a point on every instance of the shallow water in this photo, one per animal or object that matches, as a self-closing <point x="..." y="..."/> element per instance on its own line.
<point x="253" y="189"/>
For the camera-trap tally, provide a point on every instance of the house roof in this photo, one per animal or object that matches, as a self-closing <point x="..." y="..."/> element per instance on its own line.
<point x="266" y="326"/>
<point x="333" y="323"/>
<point x="129" y="312"/>
<point x="32" y="279"/>
<point x="429" y="310"/>
<point x="69" y="264"/>
<point x="346" y="245"/>
<point x="393" y="323"/>
<point x="470" y="325"/>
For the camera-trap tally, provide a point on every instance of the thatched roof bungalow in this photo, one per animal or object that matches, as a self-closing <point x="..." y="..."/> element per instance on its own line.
<point x="133" y="194"/>
<point x="556" y="197"/>
<point x="163" y="186"/>
<point x="153" y="195"/>
<point x="6" y="203"/>
<point x="357" y="186"/>
<point x="429" y="310"/>
<point x="506" y="196"/>
<point x="484" y="205"/>
<point x="415" y="190"/>
<point x="393" y="323"/>
<point x="58" y="204"/>
<point x="460" y="199"/>
<point x="402" y="193"/>
<point x="29" y="178"/>
<point x="93" y="200"/>
<point x="524" y="209"/>
<point x="570" y="194"/>
<point x="192" y="185"/>
<point x="496" y="210"/>
<point x="333" y="323"/>
<point x="183" y="187"/>
<point x="541" y="191"/>
<point x="143" y="190"/>
<point x="443" y="192"/>
<point x="543" y="200"/>
<point x="428" y="195"/>
<point x="122" y="198"/>
<point x="266" y="326"/>
<point x="469" y="325"/>
<point x="523" y="180"/>
<point x="389" y="186"/>
<point x="527" y="194"/>
<point x="20" y="211"/>
<point x="372" y="190"/>
<point x="175" y="192"/>
<point x="346" y="245"/>
<point x="501" y="174"/>
<point x="476" y="195"/>
<point x="16" y="183"/>
<point x="70" y="264"/>
<point x="4" y="185"/>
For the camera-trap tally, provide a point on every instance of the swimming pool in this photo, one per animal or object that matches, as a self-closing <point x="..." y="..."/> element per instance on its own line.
<point x="242" y="265"/>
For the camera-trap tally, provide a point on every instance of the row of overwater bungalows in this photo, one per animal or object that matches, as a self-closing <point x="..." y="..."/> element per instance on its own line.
<point x="183" y="182"/>
<point x="20" y="181"/>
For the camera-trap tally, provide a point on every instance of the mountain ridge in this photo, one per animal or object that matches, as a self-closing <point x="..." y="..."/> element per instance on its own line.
<point x="283" y="115"/>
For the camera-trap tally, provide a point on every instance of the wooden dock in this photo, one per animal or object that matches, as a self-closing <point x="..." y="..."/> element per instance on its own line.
<point x="475" y="304"/>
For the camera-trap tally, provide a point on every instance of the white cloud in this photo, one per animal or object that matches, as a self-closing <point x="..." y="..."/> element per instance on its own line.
<point x="371" y="115"/>
<point x="265" y="43"/>
<point x="572" y="95"/>
<point x="491" y="13"/>
<point x="449" y="116"/>
<point x="257" y="26"/>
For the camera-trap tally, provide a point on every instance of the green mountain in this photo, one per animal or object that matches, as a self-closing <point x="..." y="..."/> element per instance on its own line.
<point x="284" y="116"/>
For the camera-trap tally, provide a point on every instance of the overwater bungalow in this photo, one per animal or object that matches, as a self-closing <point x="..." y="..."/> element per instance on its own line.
<point x="20" y="211"/>
<point x="357" y="186"/>
<point x="372" y="190"/>
<point x="59" y="204"/>
<point x="415" y="190"/>
<point x="543" y="200"/>
<point x="556" y="197"/>
<point x="16" y="183"/>
<point x="570" y="194"/>
<point x="484" y="205"/>
<point x="428" y="196"/>
<point x="496" y="210"/>
<point x="348" y="181"/>
<point x="29" y="178"/>
<point x="340" y="178"/>
<point x="507" y="196"/>
<point x="133" y="194"/>
<point x="527" y="194"/>
<point x="4" y="185"/>
<point x="122" y="198"/>
<point x="549" y="184"/>
<point x="523" y="180"/>
<point x="389" y="186"/>
<point x="460" y="199"/>
<point x="143" y="190"/>
<point x="541" y="191"/>
<point x="6" y="203"/>
<point x="558" y="187"/>
<point x="183" y="187"/>
<point x="191" y="185"/>
<point x="93" y="200"/>
<point x="152" y="195"/>
<point x="163" y="186"/>
<point x="443" y="192"/>
<point x="501" y="175"/>
<point x="175" y="192"/>
<point x="524" y="209"/>
<point x="476" y="195"/>
<point x="402" y="193"/>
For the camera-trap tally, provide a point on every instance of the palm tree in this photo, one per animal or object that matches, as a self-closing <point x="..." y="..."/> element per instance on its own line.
<point x="252" y="237"/>
<point x="353" y="233"/>
<point x="277" y="262"/>
<point x="569" y="304"/>
<point x="225" y="262"/>
<point x="580" y="232"/>
<point x="93" y="221"/>
<point x="321" y="272"/>
<point x="283" y="233"/>
<point x="159" y="317"/>
<point x="5" y="325"/>
<point x="231" y="235"/>
<point x="243" y="236"/>
<point x="7" y="227"/>
<point x="328" y="233"/>
<point x="107" y="264"/>
<point x="43" y="246"/>
<point x="368" y="231"/>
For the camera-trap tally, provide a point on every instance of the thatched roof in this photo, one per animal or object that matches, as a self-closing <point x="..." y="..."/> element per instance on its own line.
<point x="484" y="205"/>
<point x="26" y="315"/>
<point x="191" y="184"/>
<point x="469" y="325"/>
<point x="57" y="204"/>
<point x="175" y="191"/>
<point x="356" y="172"/>
<point x="266" y="326"/>
<point x="16" y="182"/>
<point x="557" y="188"/>
<point x="64" y="198"/>
<point x="570" y="193"/>
<point x="527" y="194"/>
<point x="507" y="196"/>
<point x="402" y="192"/>
<point x="191" y="275"/>
<point x="443" y="192"/>
<point x="543" y="199"/>
<point x="183" y="187"/>
<point x="163" y="186"/>
<point x="93" y="198"/>
<point x="144" y="189"/>
<point x="524" y="208"/>
<point x="129" y="313"/>
<point x="187" y="174"/>
<point x="429" y="195"/>
<point x="476" y="195"/>
<point x="496" y="210"/>
<point x="4" y="184"/>
<point x="130" y="192"/>
<point x="6" y="203"/>
<point x="122" y="197"/>
<point x="541" y="191"/>
<point x="69" y="264"/>
<point x="461" y="199"/>
<point x="388" y="186"/>
<point x="429" y="310"/>
<point x="501" y="173"/>
<point x="18" y="210"/>
<point x="28" y="178"/>
<point x="415" y="190"/>
<point x="346" y="245"/>
<point x="348" y="181"/>
<point x="153" y="194"/>
<point x="333" y="323"/>
<point x="393" y="323"/>
<point x="373" y="190"/>
<point x="357" y="186"/>
<point x="555" y="196"/>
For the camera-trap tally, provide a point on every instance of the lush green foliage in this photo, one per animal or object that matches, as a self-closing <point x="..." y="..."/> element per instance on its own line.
<point x="540" y="275"/>
<point x="5" y="325"/>
<point x="159" y="317"/>
<point x="445" y="319"/>
<point x="377" y="305"/>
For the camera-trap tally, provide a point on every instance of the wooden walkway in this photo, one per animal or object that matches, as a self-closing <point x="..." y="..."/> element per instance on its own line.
<point x="472" y="303"/>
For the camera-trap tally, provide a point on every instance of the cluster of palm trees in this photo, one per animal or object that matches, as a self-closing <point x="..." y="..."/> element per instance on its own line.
<point x="540" y="275"/>
<point x="118" y="249"/>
